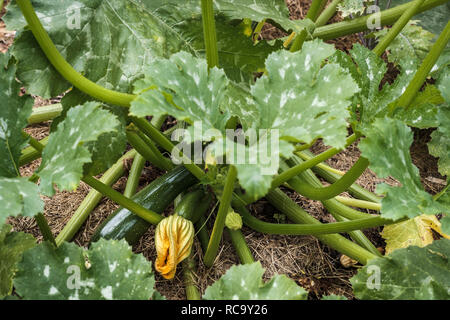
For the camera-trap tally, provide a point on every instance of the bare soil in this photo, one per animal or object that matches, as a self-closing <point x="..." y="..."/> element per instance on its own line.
<point x="303" y="258"/>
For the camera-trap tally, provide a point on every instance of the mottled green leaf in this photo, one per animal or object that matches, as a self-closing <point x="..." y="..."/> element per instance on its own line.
<point x="14" y="113"/>
<point x="68" y="148"/>
<point x="12" y="246"/>
<point x="302" y="99"/>
<point x="109" y="270"/>
<point x="411" y="273"/>
<point x="351" y="7"/>
<point x="412" y="43"/>
<point x="334" y="297"/>
<point x="368" y="74"/>
<point x="244" y="282"/>
<point x="386" y="145"/>
<point x="258" y="10"/>
<point x="183" y="88"/>
<point x="18" y="196"/>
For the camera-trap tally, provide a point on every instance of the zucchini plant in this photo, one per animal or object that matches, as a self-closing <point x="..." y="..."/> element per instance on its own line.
<point x="247" y="112"/>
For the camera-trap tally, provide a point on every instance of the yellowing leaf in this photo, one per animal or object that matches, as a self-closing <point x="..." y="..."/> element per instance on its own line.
<point x="413" y="232"/>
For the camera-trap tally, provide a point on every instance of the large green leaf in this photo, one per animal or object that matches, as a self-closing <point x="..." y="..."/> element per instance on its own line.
<point x="12" y="246"/>
<point x="244" y="282"/>
<point x="111" y="42"/>
<point x="107" y="271"/>
<point x="439" y="146"/>
<point x="302" y="99"/>
<point x="411" y="273"/>
<point x="184" y="88"/>
<point x="14" y="113"/>
<point x="69" y="148"/>
<point x="368" y="74"/>
<point x="387" y="146"/>
<point x="412" y="43"/>
<point x="258" y="10"/>
<point x="18" y="196"/>
<point x="433" y="20"/>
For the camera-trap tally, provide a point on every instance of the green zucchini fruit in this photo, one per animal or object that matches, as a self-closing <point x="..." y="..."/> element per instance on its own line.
<point x="193" y="205"/>
<point x="160" y="193"/>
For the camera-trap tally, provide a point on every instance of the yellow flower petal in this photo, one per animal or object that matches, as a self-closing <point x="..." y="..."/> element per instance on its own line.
<point x="173" y="240"/>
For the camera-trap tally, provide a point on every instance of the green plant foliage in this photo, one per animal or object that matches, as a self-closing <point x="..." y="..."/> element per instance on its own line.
<point x="351" y="7"/>
<point x="387" y="146"/>
<point x="107" y="271"/>
<point x="68" y="148"/>
<point x="14" y="113"/>
<point x="19" y="196"/>
<point x="406" y="274"/>
<point x="412" y="43"/>
<point x="244" y="282"/>
<point x="12" y="246"/>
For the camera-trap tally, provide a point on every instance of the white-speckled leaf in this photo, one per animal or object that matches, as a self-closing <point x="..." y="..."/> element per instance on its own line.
<point x="14" y="113"/>
<point x="411" y="273"/>
<point x="258" y="10"/>
<point x="18" y="196"/>
<point x="67" y="151"/>
<point x="12" y="246"/>
<point x="244" y="282"/>
<point x="368" y="73"/>
<point x="386" y="145"/>
<point x="109" y="270"/>
<point x="182" y="87"/>
<point x="351" y="7"/>
<point x="412" y="43"/>
<point x="303" y="99"/>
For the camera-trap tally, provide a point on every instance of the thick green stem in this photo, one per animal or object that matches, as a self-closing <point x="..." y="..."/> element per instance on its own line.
<point x="241" y="247"/>
<point x="292" y="172"/>
<point x="397" y="27"/>
<point x="29" y="153"/>
<point x="339" y="211"/>
<point x="359" y="203"/>
<point x="387" y="17"/>
<point x="325" y="193"/>
<point x="328" y="13"/>
<point x="331" y="175"/>
<point x="209" y="32"/>
<point x="422" y="73"/>
<point x="190" y="286"/>
<point x="313" y="13"/>
<point x="45" y="229"/>
<point x="134" y="175"/>
<point x="167" y="145"/>
<point x="65" y="69"/>
<point x="45" y="113"/>
<point x="219" y="224"/>
<point x="146" y="149"/>
<point x="148" y="215"/>
<point x="92" y="199"/>
<point x="202" y="233"/>
<point x="297" y="215"/>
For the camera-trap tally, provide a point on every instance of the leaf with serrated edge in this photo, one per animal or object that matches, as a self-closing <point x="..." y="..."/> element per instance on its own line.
<point x="14" y="113"/>
<point x="412" y="43"/>
<point x="12" y="246"/>
<point x="351" y="7"/>
<point x="18" y="196"/>
<point x="410" y="273"/>
<point x="413" y="232"/>
<point x="302" y="99"/>
<point x="368" y="73"/>
<point x="386" y="145"/>
<point x="65" y="154"/>
<point x="258" y="10"/>
<point x="109" y="270"/>
<point x="244" y="282"/>
<point x="184" y="88"/>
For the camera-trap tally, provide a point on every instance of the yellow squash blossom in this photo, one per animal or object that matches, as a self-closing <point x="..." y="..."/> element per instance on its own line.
<point x="173" y="239"/>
